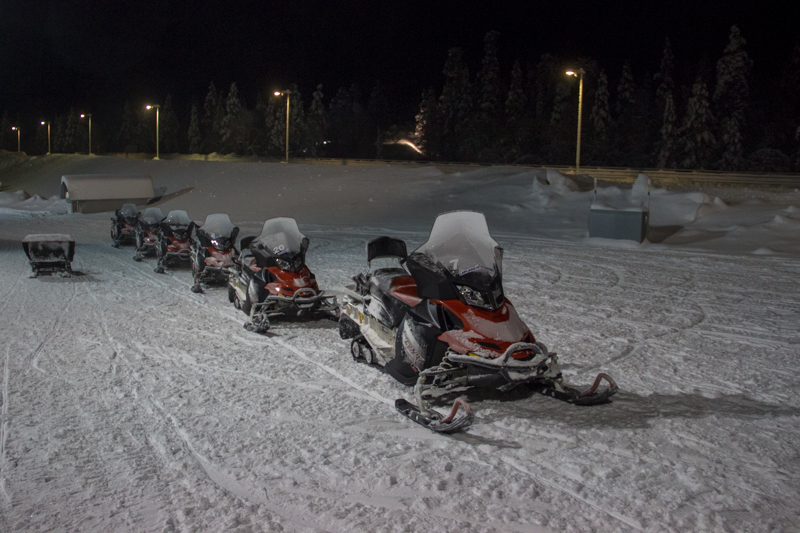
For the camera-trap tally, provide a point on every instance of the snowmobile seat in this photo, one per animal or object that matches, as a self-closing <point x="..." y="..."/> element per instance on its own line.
<point x="390" y="310"/>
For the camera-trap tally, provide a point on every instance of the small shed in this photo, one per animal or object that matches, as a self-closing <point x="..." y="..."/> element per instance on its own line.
<point x="97" y="193"/>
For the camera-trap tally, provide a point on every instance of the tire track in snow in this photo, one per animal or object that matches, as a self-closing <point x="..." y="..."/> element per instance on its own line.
<point x="4" y="425"/>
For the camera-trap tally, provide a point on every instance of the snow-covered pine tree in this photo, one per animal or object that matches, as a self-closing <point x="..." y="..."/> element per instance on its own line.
<point x="71" y="132"/>
<point x="731" y="98"/>
<point x="515" y="114"/>
<point x="297" y="130"/>
<point x="126" y="138"/>
<point x="195" y="137"/>
<point x="600" y="119"/>
<point x="58" y="131"/>
<point x="316" y="123"/>
<point x="455" y="106"/>
<point x="696" y="135"/>
<point x="428" y="130"/>
<point x="664" y="77"/>
<point x="41" y="139"/>
<point x="342" y="123"/>
<point x="600" y="116"/>
<point x="169" y="127"/>
<point x="626" y="90"/>
<point x="146" y="131"/>
<point x="207" y="129"/>
<point x="229" y="128"/>
<point x="379" y="116"/>
<point x="490" y="94"/>
<point x="216" y="127"/>
<point x="666" y="146"/>
<point x="6" y="135"/>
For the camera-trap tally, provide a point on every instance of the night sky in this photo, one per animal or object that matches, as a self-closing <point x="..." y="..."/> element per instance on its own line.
<point x="94" y="55"/>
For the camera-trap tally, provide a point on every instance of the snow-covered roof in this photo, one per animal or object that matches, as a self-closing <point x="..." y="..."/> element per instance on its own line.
<point x="106" y="187"/>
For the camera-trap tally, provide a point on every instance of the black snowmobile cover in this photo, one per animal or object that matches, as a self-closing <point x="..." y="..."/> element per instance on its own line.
<point x="49" y="248"/>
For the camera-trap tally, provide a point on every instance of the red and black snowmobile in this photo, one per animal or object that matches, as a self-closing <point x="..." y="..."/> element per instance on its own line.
<point x="148" y="225"/>
<point x="213" y="251"/>
<point x="272" y="279"/>
<point x="174" y="240"/>
<point x="445" y="324"/>
<point x="123" y="225"/>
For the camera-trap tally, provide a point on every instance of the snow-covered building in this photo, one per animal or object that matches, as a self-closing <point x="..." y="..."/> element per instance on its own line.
<point x="96" y="193"/>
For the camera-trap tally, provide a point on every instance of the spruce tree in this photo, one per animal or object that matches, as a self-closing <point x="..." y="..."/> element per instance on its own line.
<point x="626" y="90"/>
<point x="697" y="138"/>
<point x="71" y="132"/>
<point x="169" y="127"/>
<point x="455" y="107"/>
<point x="41" y="139"/>
<point x="316" y="123"/>
<point x="59" y="134"/>
<point x="664" y="77"/>
<point x="210" y="138"/>
<point x="230" y="127"/>
<point x="428" y="130"/>
<point x="126" y="138"/>
<point x="731" y="98"/>
<point x="600" y="119"/>
<point x="489" y="105"/>
<point x="666" y="148"/>
<point x="6" y="135"/>
<point x="194" y="135"/>
<point x="379" y="117"/>
<point x="515" y="114"/>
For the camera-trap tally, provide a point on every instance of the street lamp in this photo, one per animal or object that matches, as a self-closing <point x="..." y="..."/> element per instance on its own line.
<point x="48" y="133"/>
<point x="578" y="74"/>
<point x="288" y="94"/>
<point x="89" y="116"/>
<point x="14" y="128"/>
<point x="156" y="108"/>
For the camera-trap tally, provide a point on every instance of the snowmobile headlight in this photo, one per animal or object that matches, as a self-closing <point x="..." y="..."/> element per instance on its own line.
<point x="472" y="297"/>
<point x="283" y="264"/>
<point x="220" y="243"/>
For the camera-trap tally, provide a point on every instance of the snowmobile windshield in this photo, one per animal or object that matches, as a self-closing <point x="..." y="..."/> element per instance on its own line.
<point x="282" y="243"/>
<point x="177" y="218"/>
<point x="459" y="260"/>
<point x="152" y="215"/>
<point x="129" y="210"/>
<point x="218" y="231"/>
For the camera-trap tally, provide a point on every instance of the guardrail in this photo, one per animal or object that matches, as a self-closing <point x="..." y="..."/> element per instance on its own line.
<point x="659" y="177"/>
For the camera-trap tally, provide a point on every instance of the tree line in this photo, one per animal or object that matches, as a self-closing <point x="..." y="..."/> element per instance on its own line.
<point x="698" y="116"/>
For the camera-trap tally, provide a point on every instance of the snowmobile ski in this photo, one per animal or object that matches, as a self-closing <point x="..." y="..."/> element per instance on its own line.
<point x="569" y="394"/>
<point x="435" y="421"/>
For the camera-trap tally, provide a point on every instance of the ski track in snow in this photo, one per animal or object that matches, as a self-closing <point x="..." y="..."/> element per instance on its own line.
<point x="164" y="413"/>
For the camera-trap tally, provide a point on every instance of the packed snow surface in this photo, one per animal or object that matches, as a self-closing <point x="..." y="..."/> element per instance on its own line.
<point x="129" y="403"/>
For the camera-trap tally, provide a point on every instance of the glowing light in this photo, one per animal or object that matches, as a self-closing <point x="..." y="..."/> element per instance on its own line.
<point x="409" y="143"/>
<point x="42" y="123"/>
<point x="570" y="73"/>
<point x="277" y="93"/>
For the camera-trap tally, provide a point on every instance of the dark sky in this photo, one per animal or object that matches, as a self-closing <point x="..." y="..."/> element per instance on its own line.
<point x="94" y="55"/>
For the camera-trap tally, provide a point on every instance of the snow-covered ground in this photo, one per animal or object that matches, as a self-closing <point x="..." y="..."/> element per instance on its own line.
<point x="129" y="403"/>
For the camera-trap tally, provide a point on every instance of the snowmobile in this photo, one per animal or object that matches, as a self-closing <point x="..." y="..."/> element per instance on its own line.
<point x="50" y="253"/>
<point x="213" y="250"/>
<point x="147" y="227"/>
<point x="123" y="225"/>
<point x="442" y="322"/>
<point x="271" y="277"/>
<point x="174" y="240"/>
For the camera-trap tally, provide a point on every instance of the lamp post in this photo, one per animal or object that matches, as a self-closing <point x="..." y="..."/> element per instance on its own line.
<point x="48" y="134"/>
<point x="14" y="128"/>
<point x="288" y="94"/>
<point x="578" y="74"/>
<point x="89" y="116"/>
<point x="156" y="108"/>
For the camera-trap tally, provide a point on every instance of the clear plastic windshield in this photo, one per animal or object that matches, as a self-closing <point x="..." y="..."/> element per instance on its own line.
<point x="280" y="236"/>
<point x="461" y="244"/>
<point x="152" y="215"/>
<point x="218" y="226"/>
<point x="129" y="210"/>
<point x="178" y="218"/>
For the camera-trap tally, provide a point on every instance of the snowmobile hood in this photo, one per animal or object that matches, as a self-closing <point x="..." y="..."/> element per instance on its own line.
<point x="218" y="225"/>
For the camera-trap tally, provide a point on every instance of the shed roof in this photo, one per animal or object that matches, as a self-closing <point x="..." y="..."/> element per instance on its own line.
<point x="106" y="187"/>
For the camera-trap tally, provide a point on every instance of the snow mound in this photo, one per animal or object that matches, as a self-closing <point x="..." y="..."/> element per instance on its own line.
<point x="559" y="183"/>
<point x="10" y="198"/>
<point x="764" y="250"/>
<point x="791" y="209"/>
